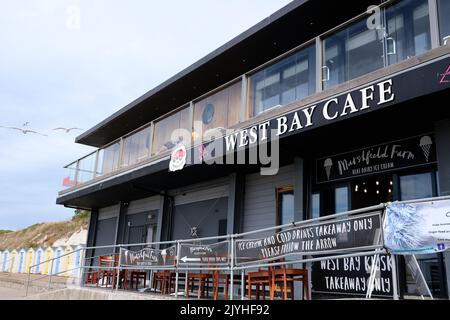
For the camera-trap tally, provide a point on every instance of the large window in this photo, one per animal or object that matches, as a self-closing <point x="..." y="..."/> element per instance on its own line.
<point x="218" y="112"/>
<point x="288" y="80"/>
<point x="341" y="199"/>
<point x="350" y="53"/>
<point x="136" y="147"/>
<point x="172" y="131"/>
<point x="417" y="186"/>
<point x="444" y="20"/>
<point x="357" y="50"/>
<point x="408" y="30"/>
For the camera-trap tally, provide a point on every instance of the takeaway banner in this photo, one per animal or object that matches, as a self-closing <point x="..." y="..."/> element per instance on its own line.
<point x="350" y="276"/>
<point x="417" y="228"/>
<point x="149" y="257"/>
<point x="355" y="233"/>
<point x="212" y="254"/>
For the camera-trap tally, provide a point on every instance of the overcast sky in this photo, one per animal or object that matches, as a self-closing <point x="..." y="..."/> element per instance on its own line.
<point x="73" y="63"/>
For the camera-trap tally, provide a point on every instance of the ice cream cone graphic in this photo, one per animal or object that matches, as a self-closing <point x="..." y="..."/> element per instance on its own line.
<point x="425" y="144"/>
<point x="327" y="165"/>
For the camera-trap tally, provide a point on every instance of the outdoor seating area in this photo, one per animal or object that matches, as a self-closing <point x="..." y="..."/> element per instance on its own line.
<point x="272" y="283"/>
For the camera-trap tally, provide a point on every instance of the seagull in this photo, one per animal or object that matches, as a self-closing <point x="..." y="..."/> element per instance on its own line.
<point x="67" y="130"/>
<point x="24" y="131"/>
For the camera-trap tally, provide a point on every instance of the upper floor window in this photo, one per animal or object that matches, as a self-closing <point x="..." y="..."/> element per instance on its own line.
<point x="357" y="50"/>
<point x="444" y="21"/>
<point x="136" y="147"/>
<point x="288" y="80"/>
<point x="217" y="112"/>
<point x="171" y="131"/>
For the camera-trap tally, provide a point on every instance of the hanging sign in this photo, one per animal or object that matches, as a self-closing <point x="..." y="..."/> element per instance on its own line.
<point x="389" y="156"/>
<point x="350" y="234"/>
<point x="216" y="253"/>
<point x="351" y="276"/>
<point x="149" y="257"/>
<point x="418" y="228"/>
<point x="178" y="158"/>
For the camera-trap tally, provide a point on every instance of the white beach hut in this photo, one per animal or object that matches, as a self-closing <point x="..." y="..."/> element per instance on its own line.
<point x="1" y="259"/>
<point x="13" y="264"/>
<point x="21" y="261"/>
<point x="38" y="260"/>
<point x="58" y="265"/>
<point x="5" y="261"/>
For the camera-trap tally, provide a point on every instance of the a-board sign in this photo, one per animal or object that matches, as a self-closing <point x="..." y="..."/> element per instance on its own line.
<point x="350" y="276"/>
<point x="317" y="238"/>
<point x="406" y="153"/>
<point x="149" y="257"/>
<point x="195" y="254"/>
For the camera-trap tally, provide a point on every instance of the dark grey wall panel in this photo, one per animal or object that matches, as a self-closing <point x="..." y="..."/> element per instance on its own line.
<point x="260" y="198"/>
<point x="204" y="214"/>
<point x="442" y="132"/>
<point x="106" y="235"/>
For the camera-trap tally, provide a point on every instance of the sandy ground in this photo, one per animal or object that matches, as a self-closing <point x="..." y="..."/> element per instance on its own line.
<point x="11" y="294"/>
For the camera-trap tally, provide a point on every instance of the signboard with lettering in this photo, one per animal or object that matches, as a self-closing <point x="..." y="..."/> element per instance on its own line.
<point x="351" y="276"/>
<point x="350" y="234"/>
<point x="211" y="254"/>
<point x="149" y="257"/>
<point x="411" y="152"/>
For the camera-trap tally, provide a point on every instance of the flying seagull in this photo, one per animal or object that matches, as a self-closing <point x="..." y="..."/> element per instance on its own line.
<point x="67" y="130"/>
<point x="24" y="131"/>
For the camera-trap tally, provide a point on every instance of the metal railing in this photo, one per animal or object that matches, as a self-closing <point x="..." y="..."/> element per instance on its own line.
<point x="228" y="259"/>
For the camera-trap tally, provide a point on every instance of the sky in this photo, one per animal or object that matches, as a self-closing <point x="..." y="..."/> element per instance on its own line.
<point x="72" y="63"/>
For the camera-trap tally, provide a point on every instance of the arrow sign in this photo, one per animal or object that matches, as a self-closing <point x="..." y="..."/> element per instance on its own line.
<point x="186" y="259"/>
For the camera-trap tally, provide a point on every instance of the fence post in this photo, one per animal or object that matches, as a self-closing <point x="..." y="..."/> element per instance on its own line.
<point x="28" y="282"/>
<point x="51" y="274"/>
<point x="242" y="284"/>
<point x="232" y="268"/>
<point x="176" y="269"/>
<point x="81" y="272"/>
<point x="118" y="268"/>
<point x="394" y="277"/>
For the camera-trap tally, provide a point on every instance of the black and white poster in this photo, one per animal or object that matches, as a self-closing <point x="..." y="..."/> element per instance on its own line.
<point x="350" y="234"/>
<point x="411" y="152"/>
<point x="351" y="276"/>
<point x="149" y="257"/>
<point x="211" y="254"/>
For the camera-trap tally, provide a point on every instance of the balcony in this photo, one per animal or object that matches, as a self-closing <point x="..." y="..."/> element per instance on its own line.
<point x="311" y="71"/>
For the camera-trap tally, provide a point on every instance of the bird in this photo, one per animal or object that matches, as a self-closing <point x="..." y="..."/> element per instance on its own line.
<point x="24" y="131"/>
<point x="67" y="130"/>
<point x="25" y="124"/>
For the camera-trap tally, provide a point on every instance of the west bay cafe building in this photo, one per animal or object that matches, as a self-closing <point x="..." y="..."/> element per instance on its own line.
<point x="355" y="97"/>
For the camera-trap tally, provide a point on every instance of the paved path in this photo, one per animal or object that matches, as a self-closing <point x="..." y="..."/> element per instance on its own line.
<point x="11" y="294"/>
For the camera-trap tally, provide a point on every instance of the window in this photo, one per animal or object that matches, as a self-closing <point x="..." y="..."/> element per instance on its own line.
<point x="444" y="21"/>
<point x="351" y="53"/>
<point x="341" y="199"/>
<point x="408" y="30"/>
<point x="315" y="205"/>
<point x="285" y="205"/>
<point x="136" y="147"/>
<point x="216" y="113"/>
<point x="418" y="186"/>
<point x="288" y="80"/>
<point x="167" y="133"/>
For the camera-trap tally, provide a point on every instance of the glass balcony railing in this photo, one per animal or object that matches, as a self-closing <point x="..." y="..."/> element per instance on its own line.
<point x="343" y="54"/>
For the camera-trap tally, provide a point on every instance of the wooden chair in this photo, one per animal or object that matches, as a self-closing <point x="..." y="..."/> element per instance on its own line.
<point x="287" y="277"/>
<point x="258" y="278"/>
<point x="138" y="275"/>
<point x="105" y="262"/>
<point x="202" y="280"/>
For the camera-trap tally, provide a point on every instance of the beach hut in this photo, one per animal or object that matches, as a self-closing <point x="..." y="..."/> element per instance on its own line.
<point x="38" y="260"/>
<point x="58" y="266"/>
<point x="1" y="260"/>
<point x="30" y="260"/>
<point x="47" y="256"/>
<point x="67" y="261"/>
<point x="22" y="260"/>
<point x="5" y="261"/>
<point x="78" y="257"/>
<point x="13" y="264"/>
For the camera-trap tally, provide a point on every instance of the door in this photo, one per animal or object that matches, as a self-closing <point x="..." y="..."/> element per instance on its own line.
<point x="137" y="235"/>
